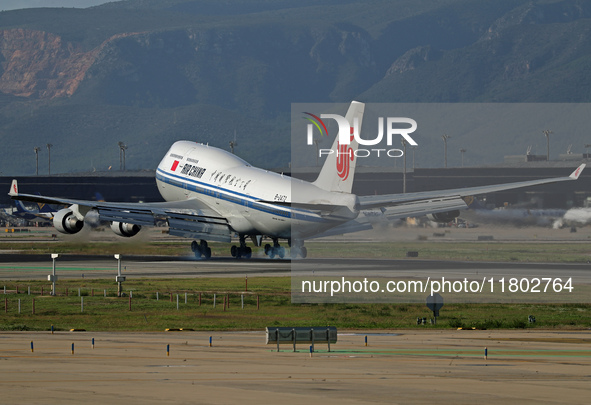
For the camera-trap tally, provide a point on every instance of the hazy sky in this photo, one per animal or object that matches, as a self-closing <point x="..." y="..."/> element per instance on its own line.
<point x="16" y="4"/>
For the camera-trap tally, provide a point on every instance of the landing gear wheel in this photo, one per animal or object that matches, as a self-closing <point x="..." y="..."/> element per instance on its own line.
<point x="275" y="250"/>
<point x="298" y="250"/>
<point x="201" y="249"/>
<point x="241" y="251"/>
<point x="304" y="252"/>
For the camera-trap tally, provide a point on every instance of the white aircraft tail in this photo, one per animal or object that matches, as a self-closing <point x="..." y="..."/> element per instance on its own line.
<point x="339" y="168"/>
<point x="13" y="188"/>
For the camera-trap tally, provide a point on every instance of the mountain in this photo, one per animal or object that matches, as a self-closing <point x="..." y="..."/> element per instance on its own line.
<point x="149" y="72"/>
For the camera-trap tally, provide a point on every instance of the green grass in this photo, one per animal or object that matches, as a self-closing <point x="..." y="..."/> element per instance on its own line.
<point x="148" y="314"/>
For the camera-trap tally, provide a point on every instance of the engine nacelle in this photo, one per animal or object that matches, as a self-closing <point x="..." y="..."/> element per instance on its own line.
<point x="125" y="229"/>
<point x="65" y="221"/>
<point x="444" y="217"/>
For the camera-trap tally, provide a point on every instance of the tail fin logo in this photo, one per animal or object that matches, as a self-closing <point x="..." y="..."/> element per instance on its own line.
<point x="345" y="156"/>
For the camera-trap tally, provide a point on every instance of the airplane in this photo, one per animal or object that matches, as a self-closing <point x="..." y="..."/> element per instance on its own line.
<point x="43" y="213"/>
<point x="211" y="194"/>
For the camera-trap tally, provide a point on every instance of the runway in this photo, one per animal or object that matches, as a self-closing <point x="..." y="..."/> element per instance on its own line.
<point x="430" y="274"/>
<point x="36" y="267"/>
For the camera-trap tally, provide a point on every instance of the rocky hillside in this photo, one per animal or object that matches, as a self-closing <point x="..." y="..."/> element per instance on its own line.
<point x="150" y="72"/>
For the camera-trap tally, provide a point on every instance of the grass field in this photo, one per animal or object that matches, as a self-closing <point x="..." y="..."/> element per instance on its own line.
<point x="153" y="310"/>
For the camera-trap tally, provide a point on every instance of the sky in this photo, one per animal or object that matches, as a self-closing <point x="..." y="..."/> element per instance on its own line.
<point x="17" y="4"/>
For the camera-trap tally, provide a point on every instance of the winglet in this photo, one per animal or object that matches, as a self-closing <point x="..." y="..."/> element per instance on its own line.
<point x="13" y="188"/>
<point x="575" y="175"/>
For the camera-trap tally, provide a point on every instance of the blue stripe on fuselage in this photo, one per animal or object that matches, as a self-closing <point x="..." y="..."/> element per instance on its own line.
<point x="240" y="199"/>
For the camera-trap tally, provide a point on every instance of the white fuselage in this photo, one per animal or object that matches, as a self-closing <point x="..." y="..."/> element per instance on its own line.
<point x="253" y="200"/>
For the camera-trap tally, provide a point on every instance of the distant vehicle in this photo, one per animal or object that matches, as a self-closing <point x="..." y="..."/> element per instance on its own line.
<point x="212" y="194"/>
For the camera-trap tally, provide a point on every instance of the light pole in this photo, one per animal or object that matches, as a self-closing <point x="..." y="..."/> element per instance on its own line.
<point x="49" y="146"/>
<point x="122" y="148"/>
<point x="462" y="151"/>
<point x="120" y="279"/>
<point x="52" y="277"/>
<point x="404" y="167"/>
<point x="233" y="143"/>
<point x="547" y="133"/>
<point x="445" y="138"/>
<point x="37" y="149"/>
<point x="120" y="144"/>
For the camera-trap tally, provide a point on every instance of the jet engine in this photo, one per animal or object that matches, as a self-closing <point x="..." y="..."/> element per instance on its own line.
<point x="125" y="229"/>
<point x="65" y="221"/>
<point x="444" y="217"/>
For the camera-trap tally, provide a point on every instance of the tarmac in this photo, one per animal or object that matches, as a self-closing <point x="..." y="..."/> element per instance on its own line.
<point x="396" y="367"/>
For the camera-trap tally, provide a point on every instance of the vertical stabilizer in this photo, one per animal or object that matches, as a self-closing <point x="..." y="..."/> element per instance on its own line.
<point x="13" y="188"/>
<point x="339" y="168"/>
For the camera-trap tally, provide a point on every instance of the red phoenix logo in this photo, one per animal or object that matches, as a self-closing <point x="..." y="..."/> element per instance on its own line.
<point x="344" y="158"/>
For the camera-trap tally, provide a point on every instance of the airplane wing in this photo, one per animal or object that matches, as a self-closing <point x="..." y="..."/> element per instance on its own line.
<point x="188" y="218"/>
<point x="429" y="202"/>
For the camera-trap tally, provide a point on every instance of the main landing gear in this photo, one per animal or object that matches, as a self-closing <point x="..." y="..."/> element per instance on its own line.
<point x="241" y="251"/>
<point x="299" y="251"/>
<point x="201" y="249"/>
<point x="275" y="250"/>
